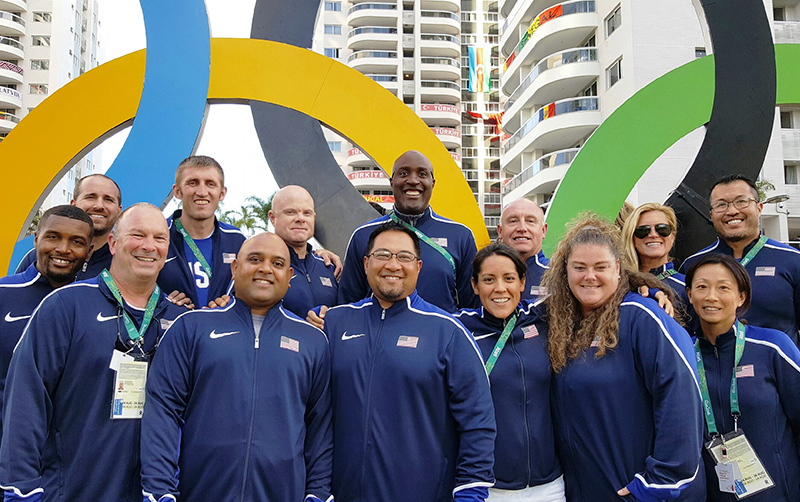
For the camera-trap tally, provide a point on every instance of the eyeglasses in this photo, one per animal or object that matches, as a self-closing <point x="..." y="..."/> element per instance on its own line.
<point x="386" y="255"/>
<point x="662" y="229"/>
<point x="722" y="206"/>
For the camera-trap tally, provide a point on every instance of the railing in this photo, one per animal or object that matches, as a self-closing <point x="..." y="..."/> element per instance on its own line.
<point x="548" y="63"/>
<point x="372" y="54"/>
<point x="5" y="65"/>
<point x="791" y="143"/>
<point x="11" y="42"/>
<point x="439" y="38"/>
<point x="554" y="159"/>
<point x="491" y="221"/>
<point x="12" y="17"/>
<point x="375" y="6"/>
<point x="372" y="29"/>
<point x="440" y="84"/>
<point x="11" y="92"/>
<point x="787" y="32"/>
<point x="560" y="10"/>
<point x="382" y="78"/>
<point x="440" y="14"/>
<point x="9" y="116"/>
<point x="444" y="61"/>
<point x="549" y="111"/>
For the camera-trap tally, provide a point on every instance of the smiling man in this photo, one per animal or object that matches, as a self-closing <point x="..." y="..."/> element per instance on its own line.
<point x="523" y="228"/>
<point x="75" y="388"/>
<point x="201" y="247"/>
<point x="774" y="268"/>
<point x="412" y="414"/>
<point x="447" y="247"/>
<point x="242" y="392"/>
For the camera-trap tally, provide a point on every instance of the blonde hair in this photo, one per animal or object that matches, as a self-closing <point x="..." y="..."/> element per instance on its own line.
<point x="630" y="255"/>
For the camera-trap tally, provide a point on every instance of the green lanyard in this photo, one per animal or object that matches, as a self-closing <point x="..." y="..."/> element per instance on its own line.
<point x="701" y="373"/>
<point x="194" y="248"/>
<point x="754" y="250"/>
<point x="663" y="275"/>
<point x="133" y="334"/>
<point x="427" y="240"/>
<point x="501" y="342"/>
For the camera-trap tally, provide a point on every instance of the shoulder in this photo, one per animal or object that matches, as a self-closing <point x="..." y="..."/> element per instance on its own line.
<point x="698" y="254"/>
<point x="229" y="231"/>
<point x="452" y="226"/>
<point x="434" y="316"/>
<point x="783" y="249"/>
<point x="679" y="279"/>
<point x="639" y="309"/>
<point x="776" y="342"/>
<point x="470" y="318"/>
<point x="78" y="296"/>
<point x="349" y="308"/>
<point x="361" y="234"/>
<point x="18" y="280"/>
<point x="185" y="320"/>
<point x="298" y="325"/>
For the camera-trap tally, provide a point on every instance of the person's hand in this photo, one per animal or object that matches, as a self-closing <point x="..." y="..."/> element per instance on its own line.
<point x="222" y="301"/>
<point x="662" y="299"/>
<point x="180" y="299"/>
<point x="331" y="257"/>
<point x="317" y="320"/>
<point x="623" y="492"/>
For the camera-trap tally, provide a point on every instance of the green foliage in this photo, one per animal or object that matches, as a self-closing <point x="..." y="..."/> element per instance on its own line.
<point x="762" y="186"/>
<point x="251" y="217"/>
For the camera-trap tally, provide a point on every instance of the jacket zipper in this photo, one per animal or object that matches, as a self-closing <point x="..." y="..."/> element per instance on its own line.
<point x="252" y="418"/>
<point x="369" y="399"/>
<point x="524" y="406"/>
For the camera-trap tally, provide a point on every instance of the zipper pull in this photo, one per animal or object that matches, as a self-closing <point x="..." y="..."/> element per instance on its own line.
<point x="383" y="314"/>
<point x="256" y="339"/>
<point x="309" y="278"/>
<point x="716" y="354"/>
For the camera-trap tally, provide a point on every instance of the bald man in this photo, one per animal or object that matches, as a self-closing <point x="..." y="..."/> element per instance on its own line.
<point x="313" y="283"/>
<point x="523" y="228"/>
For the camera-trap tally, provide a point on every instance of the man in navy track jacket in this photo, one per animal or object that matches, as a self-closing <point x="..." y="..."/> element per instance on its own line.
<point x="238" y="400"/>
<point x="522" y="227"/>
<point x="413" y="415"/>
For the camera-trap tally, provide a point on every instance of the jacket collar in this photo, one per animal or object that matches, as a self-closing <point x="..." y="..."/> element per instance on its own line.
<point x="662" y="268"/>
<point x="414" y="220"/>
<point x="160" y="306"/>
<point x="723" y="247"/>
<point x="177" y="214"/>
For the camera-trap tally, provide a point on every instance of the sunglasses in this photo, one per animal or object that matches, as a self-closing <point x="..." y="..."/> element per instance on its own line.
<point x="662" y="229"/>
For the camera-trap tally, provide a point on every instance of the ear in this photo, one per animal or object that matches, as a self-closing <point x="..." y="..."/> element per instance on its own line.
<point x="176" y="192"/>
<point x="544" y="230"/>
<point x="365" y="264"/>
<point x="474" y="286"/>
<point x="742" y="296"/>
<point x="234" y="266"/>
<point x="35" y="239"/>
<point x="112" y="244"/>
<point x="223" y="193"/>
<point x="271" y="216"/>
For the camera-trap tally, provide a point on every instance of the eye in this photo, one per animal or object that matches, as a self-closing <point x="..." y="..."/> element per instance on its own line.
<point x="278" y="263"/>
<point x="701" y="287"/>
<point x="254" y="259"/>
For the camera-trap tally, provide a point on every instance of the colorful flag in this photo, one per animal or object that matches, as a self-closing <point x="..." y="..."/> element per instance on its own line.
<point x="530" y="331"/>
<point x="408" y="341"/>
<point x="479" y="70"/>
<point x="290" y="343"/>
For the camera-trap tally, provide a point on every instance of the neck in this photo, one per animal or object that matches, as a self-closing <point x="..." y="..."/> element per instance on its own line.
<point x="712" y="330"/>
<point x="646" y="264"/>
<point x="134" y="291"/>
<point x="198" y="229"/>
<point x="404" y="213"/>
<point x="300" y="250"/>
<point x="255" y="307"/>
<point x="738" y="246"/>
<point x="99" y="241"/>
<point x="530" y="255"/>
<point x="384" y="304"/>
<point x="54" y="285"/>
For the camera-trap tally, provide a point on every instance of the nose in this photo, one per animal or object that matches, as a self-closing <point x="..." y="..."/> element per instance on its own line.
<point x="731" y="209"/>
<point x="394" y="263"/>
<point x="63" y="246"/>
<point x="653" y="232"/>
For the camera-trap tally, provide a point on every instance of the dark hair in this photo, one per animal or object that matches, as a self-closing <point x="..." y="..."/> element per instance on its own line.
<point x="731" y="178"/>
<point x="79" y="185"/>
<point x="498" y="249"/>
<point x="394" y="227"/>
<point x="736" y="269"/>
<point x="198" y="161"/>
<point x="67" y="211"/>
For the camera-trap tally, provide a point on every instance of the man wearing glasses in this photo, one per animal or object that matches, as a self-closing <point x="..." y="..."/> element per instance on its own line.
<point x="412" y="415"/>
<point x="774" y="268"/>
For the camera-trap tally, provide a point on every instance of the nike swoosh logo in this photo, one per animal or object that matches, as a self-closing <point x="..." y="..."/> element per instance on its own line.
<point x="12" y="319"/>
<point x="483" y="336"/>
<point x="169" y="259"/>
<point x="214" y="334"/>
<point x="345" y="337"/>
<point x="102" y="318"/>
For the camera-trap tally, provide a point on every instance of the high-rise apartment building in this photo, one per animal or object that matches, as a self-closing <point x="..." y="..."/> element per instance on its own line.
<point x="43" y="45"/>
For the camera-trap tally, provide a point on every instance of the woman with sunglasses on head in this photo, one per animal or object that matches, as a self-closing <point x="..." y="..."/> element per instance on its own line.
<point x="625" y="399"/>
<point x="750" y="383"/>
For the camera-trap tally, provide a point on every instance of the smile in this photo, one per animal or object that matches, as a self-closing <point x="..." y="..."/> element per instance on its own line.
<point x="500" y="300"/>
<point x="145" y="259"/>
<point x="60" y="261"/>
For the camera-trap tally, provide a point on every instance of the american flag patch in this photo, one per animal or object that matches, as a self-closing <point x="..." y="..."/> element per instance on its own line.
<point x="595" y="342"/>
<point x="744" y="371"/>
<point x="408" y="341"/>
<point x="765" y="271"/>
<point x="326" y="281"/>
<point x="290" y="343"/>
<point x="530" y="331"/>
<point x="228" y="257"/>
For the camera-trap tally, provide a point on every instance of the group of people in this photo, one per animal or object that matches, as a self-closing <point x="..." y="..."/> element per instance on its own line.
<point x="419" y="370"/>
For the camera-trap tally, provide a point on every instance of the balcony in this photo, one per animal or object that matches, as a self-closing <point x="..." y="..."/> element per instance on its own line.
<point x="11" y="24"/>
<point x="521" y="15"/>
<point x="357" y="158"/>
<point x="11" y="49"/>
<point x="10" y="98"/>
<point x="562" y="74"/>
<point x="449" y="136"/>
<point x="787" y="32"/>
<point x="374" y="179"/>
<point x="440" y="45"/>
<point x="439" y="21"/>
<point x="371" y="62"/>
<point x="555" y="159"/>
<point x="440" y="90"/>
<point x="439" y="68"/>
<point x="791" y="144"/>
<point x="13" y="5"/>
<point x="8" y="121"/>
<point x="450" y="5"/>
<point x="432" y="113"/>
<point x="556" y="126"/>
<point x="372" y="14"/>
<point x="388" y="81"/>
<point x="554" y="30"/>
<point x="372" y="37"/>
<point x="10" y="73"/>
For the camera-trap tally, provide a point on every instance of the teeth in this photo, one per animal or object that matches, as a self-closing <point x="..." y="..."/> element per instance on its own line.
<point x="201" y="202"/>
<point x="733" y="222"/>
<point x="144" y="259"/>
<point x="97" y="216"/>
<point x="500" y="300"/>
<point x="413" y="192"/>
<point x="60" y="261"/>
<point x="521" y="238"/>
<point x="653" y="244"/>
<point x="262" y="281"/>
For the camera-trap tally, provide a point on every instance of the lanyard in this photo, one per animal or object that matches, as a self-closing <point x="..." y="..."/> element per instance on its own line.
<point x="701" y="372"/>
<point x="754" y="251"/>
<point x="427" y="240"/>
<point x="133" y="334"/>
<point x="663" y="275"/>
<point x="194" y="248"/>
<point x="501" y="342"/>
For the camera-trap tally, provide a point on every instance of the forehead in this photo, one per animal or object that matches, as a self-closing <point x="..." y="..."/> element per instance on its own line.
<point x="64" y="225"/>
<point x="522" y="211"/>
<point x="497" y="264"/>
<point x="395" y="241"/>
<point x="144" y="219"/>
<point x="413" y="162"/>
<point x="732" y="190"/>
<point x="97" y="185"/>
<point x="294" y="200"/>
<point x="265" y="245"/>
<point x="651" y="217"/>
<point x="591" y="253"/>
<point x="206" y="173"/>
<point x="713" y="272"/>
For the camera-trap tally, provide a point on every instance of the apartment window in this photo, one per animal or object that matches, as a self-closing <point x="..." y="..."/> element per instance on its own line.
<point x="613" y="21"/>
<point x="40" y="64"/>
<point x="40" y="40"/>
<point x="786" y="120"/>
<point x="790" y="174"/>
<point x="38" y="89"/>
<point x="779" y="13"/>
<point x="333" y="29"/>
<point x="333" y="6"/>
<point x="332" y="53"/>
<point x="699" y="52"/>
<point x="335" y="146"/>
<point x="42" y="17"/>
<point x="614" y="73"/>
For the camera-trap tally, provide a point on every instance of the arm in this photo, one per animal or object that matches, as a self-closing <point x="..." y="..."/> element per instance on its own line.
<point x="466" y="295"/>
<point x="353" y="285"/>
<point x="319" y="431"/>
<point x="470" y="403"/>
<point x="786" y="364"/>
<point x="331" y="258"/>
<point x="33" y="378"/>
<point x="168" y="391"/>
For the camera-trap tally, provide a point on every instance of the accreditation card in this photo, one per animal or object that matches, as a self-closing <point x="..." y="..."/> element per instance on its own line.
<point x="129" y="392"/>
<point x="754" y="477"/>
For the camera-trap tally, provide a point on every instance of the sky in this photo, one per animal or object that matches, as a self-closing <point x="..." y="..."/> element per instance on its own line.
<point x="229" y="135"/>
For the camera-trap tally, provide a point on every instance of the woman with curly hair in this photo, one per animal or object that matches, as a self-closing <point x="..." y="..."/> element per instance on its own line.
<point x="625" y="398"/>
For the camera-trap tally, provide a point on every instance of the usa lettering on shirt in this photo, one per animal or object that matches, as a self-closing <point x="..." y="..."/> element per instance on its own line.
<point x="765" y="271"/>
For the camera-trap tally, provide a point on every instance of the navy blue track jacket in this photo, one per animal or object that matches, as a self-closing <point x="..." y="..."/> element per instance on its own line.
<point x="634" y="417"/>
<point x="775" y="274"/>
<point x="524" y="452"/>
<point x="413" y="417"/>
<point x="439" y="285"/>
<point x="769" y="402"/>
<point x="99" y="260"/>
<point x="58" y="435"/>
<point x="235" y="415"/>
<point x="537" y="266"/>
<point x="313" y="284"/>
<point x="226" y="241"/>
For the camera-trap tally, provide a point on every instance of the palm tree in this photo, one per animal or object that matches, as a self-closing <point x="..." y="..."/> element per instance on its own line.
<point x="260" y="208"/>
